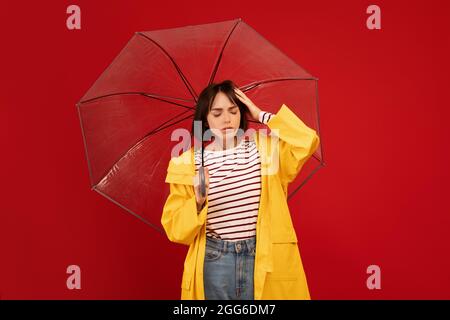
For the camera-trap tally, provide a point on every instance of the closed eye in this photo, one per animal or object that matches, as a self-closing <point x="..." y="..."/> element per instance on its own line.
<point x="233" y="110"/>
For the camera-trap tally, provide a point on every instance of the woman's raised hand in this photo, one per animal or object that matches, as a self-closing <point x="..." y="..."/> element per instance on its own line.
<point x="252" y="108"/>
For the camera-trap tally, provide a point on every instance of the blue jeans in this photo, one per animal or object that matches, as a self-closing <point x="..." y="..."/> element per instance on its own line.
<point x="228" y="269"/>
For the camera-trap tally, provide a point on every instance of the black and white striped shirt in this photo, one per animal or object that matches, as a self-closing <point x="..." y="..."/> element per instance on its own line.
<point x="234" y="189"/>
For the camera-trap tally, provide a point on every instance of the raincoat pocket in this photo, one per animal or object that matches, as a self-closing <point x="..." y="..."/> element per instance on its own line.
<point x="285" y="262"/>
<point x="283" y="281"/>
<point x="281" y="277"/>
<point x="284" y="237"/>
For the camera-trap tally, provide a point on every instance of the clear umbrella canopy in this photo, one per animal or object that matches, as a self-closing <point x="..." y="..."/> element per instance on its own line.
<point x="151" y="88"/>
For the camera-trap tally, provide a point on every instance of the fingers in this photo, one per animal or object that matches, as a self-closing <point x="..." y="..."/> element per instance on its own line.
<point x="241" y="95"/>
<point x="196" y="179"/>
<point x="197" y="191"/>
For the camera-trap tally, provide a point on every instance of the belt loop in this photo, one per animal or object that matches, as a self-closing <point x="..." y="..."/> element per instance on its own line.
<point x="224" y="247"/>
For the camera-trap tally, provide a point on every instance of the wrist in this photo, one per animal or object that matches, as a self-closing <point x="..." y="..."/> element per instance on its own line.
<point x="257" y="111"/>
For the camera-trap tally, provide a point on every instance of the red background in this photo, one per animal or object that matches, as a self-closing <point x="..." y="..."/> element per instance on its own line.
<point x="382" y="198"/>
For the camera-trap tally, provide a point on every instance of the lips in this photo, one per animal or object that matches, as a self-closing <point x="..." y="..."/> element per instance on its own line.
<point x="226" y="128"/>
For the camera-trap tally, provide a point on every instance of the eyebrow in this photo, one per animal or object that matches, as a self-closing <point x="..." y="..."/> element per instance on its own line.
<point x="218" y="108"/>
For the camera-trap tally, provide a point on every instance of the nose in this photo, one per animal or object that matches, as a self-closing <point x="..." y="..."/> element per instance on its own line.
<point x="227" y="118"/>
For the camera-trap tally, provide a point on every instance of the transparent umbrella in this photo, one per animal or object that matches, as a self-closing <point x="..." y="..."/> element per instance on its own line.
<point x="151" y="88"/>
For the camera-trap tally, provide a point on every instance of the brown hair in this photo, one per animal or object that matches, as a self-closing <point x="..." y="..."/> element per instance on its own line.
<point x="205" y="100"/>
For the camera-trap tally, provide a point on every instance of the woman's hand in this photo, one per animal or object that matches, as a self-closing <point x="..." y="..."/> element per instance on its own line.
<point x="254" y="110"/>
<point x="198" y="195"/>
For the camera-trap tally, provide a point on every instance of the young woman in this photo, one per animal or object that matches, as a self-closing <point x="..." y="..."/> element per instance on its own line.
<point x="242" y="244"/>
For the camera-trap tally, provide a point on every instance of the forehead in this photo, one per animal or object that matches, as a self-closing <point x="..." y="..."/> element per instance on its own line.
<point x="222" y="101"/>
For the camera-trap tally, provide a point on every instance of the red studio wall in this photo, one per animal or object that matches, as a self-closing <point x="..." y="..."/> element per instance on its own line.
<point x="381" y="199"/>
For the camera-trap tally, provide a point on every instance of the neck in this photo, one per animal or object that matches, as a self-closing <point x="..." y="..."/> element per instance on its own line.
<point x="224" y="144"/>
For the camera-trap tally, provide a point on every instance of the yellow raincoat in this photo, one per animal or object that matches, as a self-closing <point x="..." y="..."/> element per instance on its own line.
<point x="278" y="272"/>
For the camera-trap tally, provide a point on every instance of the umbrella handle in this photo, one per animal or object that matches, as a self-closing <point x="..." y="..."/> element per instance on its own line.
<point x="201" y="173"/>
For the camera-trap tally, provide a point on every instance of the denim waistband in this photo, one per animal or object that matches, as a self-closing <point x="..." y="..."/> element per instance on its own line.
<point x="245" y="245"/>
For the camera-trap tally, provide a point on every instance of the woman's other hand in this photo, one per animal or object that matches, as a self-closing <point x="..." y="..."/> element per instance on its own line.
<point x="198" y="195"/>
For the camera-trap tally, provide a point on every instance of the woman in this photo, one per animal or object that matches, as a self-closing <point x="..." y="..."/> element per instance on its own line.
<point x="242" y="244"/>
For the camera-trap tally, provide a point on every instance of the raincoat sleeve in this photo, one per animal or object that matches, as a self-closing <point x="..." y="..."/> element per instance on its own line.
<point x="297" y="142"/>
<point x="180" y="219"/>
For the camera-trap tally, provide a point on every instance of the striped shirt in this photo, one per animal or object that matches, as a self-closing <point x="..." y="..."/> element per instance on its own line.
<point x="234" y="189"/>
